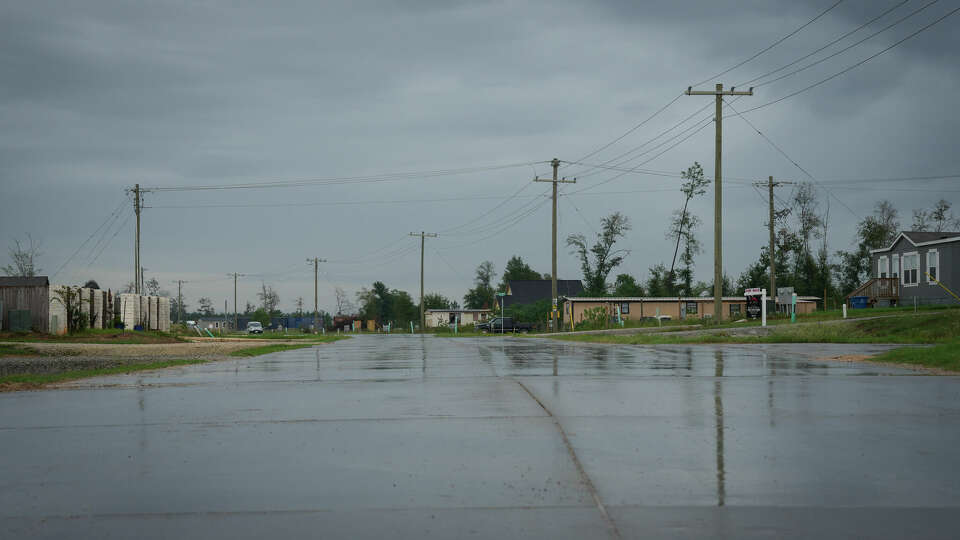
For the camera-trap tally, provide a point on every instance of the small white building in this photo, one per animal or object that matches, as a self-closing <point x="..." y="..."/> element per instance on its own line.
<point x="446" y="317"/>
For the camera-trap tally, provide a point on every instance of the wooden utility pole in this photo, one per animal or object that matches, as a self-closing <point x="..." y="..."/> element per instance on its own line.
<point x="316" y="312"/>
<point x="770" y="184"/>
<point x="180" y="283"/>
<point x="236" y="320"/>
<point x="136" y="243"/>
<point x="718" y="194"/>
<point x="553" y="243"/>
<point x="423" y="239"/>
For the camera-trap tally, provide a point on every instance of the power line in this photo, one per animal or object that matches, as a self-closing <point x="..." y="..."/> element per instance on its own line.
<point x="852" y="67"/>
<point x="331" y="203"/>
<point x="107" y="244"/>
<point x="85" y="242"/>
<point x="841" y="38"/>
<point x="791" y="160"/>
<point x="845" y="49"/>
<point x="772" y="45"/>
<point x="634" y="128"/>
<point x="385" y="177"/>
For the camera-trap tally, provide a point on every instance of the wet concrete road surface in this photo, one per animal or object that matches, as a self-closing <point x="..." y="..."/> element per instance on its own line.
<point x="410" y="437"/>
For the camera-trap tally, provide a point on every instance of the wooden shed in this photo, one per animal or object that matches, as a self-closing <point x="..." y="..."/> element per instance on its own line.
<point x="22" y="297"/>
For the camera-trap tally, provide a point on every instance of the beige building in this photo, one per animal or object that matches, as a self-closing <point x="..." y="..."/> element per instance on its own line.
<point x="446" y="317"/>
<point x="677" y="308"/>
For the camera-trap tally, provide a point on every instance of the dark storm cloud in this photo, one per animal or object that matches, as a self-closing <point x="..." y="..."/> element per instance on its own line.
<point x="98" y="95"/>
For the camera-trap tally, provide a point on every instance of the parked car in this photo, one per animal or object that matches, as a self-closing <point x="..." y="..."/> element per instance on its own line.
<point x="254" y="327"/>
<point x="503" y="324"/>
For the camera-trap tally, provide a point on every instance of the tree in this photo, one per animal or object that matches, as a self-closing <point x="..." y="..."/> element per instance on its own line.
<point x="248" y="309"/>
<point x="873" y="232"/>
<point x="24" y="258"/>
<point x="659" y="283"/>
<point x="299" y="304"/>
<point x="91" y="284"/>
<point x="435" y="301"/>
<point x="343" y="301"/>
<point x="206" y="306"/>
<point x="516" y="270"/>
<point x="261" y="315"/>
<point x="175" y="309"/>
<point x="605" y="258"/>
<point x="69" y="298"/>
<point x="625" y="285"/>
<point x="694" y="184"/>
<point x="269" y="299"/>
<point x="943" y="219"/>
<point x="128" y="287"/>
<point x="482" y="294"/>
<point x="152" y="287"/>
<point x="684" y="226"/>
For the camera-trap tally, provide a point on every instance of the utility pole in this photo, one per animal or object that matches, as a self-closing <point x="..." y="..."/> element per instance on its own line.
<point x="553" y="243"/>
<point x="136" y="243"/>
<point x="180" y="283"/>
<point x="770" y="184"/>
<point x="236" y="321"/>
<point x="718" y="193"/>
<point x="423" y="240"/>
<point x="316" y="261"/>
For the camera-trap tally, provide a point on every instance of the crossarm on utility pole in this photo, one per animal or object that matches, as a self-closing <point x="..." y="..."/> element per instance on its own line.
<point x="555" y="163"/>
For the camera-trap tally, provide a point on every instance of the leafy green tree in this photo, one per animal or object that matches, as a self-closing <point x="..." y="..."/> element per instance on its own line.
<point x="537" y="313"/>
<point x="683" y="225"/>
<point x="516" y="270"/>
<point x="261" y="315"/>
<point x="873" y="232"/>
<point x="605" y="257"/>
<point x="436" y="301"/>
<point x="482" y="294"/>
<point x="625" y="285"/>
<point x="659" y="282"/>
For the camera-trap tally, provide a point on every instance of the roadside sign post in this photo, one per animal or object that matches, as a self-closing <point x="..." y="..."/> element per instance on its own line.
<point x="503" y="301"/>
<point x="756" y="304"/>
<point x="793" y="308"/>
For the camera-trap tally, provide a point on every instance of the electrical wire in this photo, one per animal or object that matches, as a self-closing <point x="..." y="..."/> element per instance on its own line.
<point x="852" y="67"/>
<point x="85" y="242"/>
<point x="130" y="214"/>
<point x="771" y="46"/>
<point x="835" y="41"/>
<point x="793" y="161"/>
<point x="845" y="49"/>
<point x="385" y="177"/>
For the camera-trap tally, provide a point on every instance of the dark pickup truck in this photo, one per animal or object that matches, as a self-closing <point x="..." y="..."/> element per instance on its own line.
<point x="503" y="324"/>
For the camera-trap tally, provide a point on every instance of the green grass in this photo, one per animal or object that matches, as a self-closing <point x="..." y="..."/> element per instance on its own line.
<point x="30" y="380"/>
<point x="15" y="350"/>
<point x="945" y="356"/>
<point x="923" y="327"/>
<point x="124" y="337"/>
<point x="267" y="349"/>
<point x="319" y="338"/>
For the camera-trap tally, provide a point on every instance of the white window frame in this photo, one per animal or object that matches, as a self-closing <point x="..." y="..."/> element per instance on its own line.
<point x="883" y="267"/>
<point x="895" y="265"/>
<point x="903" y="277"/>
<point x="936" y="265"/>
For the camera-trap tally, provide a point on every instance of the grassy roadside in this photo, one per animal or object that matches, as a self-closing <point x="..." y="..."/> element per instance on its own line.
<point x="119" y="337"/>
<point x="267" y="349"/>
<point x="7" y="349"/>
<point x="940" y="329"/>
<point x="30" y="381"/>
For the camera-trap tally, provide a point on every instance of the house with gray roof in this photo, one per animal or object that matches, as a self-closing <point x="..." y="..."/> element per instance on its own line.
<point x="919" y="266"/>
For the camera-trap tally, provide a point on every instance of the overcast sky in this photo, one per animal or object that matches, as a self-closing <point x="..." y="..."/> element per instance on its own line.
<point x="96" y="96"/>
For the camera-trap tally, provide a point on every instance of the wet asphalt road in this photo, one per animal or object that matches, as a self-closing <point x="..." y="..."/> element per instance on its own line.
<point x="410" y="437"/>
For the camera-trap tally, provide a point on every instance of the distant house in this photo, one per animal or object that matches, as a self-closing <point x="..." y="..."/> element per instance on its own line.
<point x="676" y="307"/>
<point x="528" y="291"/>
<point x="902" y="272"/>
<point x="446" y="317"/>
<point x="25" y="303"/>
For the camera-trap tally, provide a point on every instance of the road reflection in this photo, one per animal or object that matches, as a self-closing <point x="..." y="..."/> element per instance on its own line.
<point x="718" y="415"/>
